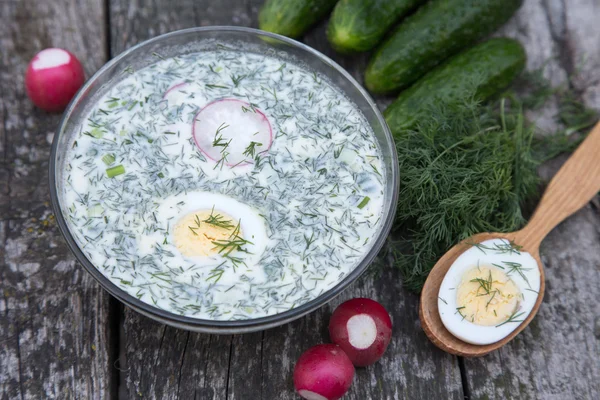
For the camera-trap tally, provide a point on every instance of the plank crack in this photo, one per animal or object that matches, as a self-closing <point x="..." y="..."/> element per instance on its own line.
<point x="187" y="339"/>
<point x="559" y="35"/>
<point x="115" y="318"/>
<point x="107" y="23"/>
<point x="463" y="378"/>
<point x="262" y="344"/>
<point x="229" y="368"/>
<point x="206" y="383"/>
<point x="5" y="130"/>
<point x="19" y="362"/>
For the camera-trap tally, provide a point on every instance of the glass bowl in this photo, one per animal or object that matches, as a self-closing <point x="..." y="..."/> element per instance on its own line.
<point x="198" y="40"/>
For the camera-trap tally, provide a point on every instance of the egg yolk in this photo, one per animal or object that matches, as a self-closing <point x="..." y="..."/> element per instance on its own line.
<point x="487" y="296"/>
<point x="195" y="233"/>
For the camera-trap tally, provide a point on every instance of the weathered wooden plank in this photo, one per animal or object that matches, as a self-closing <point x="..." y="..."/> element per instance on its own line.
<point x="260" y="365"/>
<point x="581" y="36"/>
<point x="161" y="362"/>
<point x="138" y="20"/>
<point x="558" y="355"/>
<point x="246" y="366"/>
<point x="54" y="339"/>
<point x="531" y="26"/>
<point x="166" y="363"/>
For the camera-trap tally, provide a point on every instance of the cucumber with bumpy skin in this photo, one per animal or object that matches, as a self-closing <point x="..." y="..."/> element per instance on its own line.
<point x="435" y="32"/>
<point x="292" y="18"/>
<point x="488" y="68"/>
<point x="358" y="25"/>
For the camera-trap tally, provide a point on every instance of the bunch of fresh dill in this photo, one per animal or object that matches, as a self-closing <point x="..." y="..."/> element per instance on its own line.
<point x="472" y="167"/>
<point x="464" y="169"/>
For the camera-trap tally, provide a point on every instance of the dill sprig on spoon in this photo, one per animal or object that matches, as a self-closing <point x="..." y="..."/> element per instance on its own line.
<point x="506" y="247"/>
<point x="512" y="318"/>
<point x="484" y="284"/>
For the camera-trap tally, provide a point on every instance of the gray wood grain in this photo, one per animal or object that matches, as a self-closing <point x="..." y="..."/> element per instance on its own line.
<point x="54" y="339"/>
<point x="134" y="21"/>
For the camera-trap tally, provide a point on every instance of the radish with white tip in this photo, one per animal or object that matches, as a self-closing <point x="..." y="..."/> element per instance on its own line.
<point x="53" y="77"/>
<point x="362" y="328"/>
<point x="323" y="372"/>
<point x="232" y="132"/>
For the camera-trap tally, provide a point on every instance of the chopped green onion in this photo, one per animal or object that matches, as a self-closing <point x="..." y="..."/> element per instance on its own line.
<point x="97" y="133"/>
<point x="108" y="159"/>
<point x="161" y="175"/>
<point x="364" y="202"/>
<point x="115" y="171"/>
<point x="95" y="211"/>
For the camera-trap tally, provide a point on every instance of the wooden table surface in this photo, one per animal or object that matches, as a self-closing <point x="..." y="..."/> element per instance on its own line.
<point x="62" y="336"/>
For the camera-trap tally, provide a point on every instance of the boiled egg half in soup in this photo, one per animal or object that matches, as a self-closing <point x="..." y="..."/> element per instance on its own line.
<point x="488" y="291"/>
<point x="206" y="226"/>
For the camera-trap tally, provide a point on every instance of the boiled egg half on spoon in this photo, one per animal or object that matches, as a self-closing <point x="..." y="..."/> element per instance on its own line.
<point x="488" y="291"/>
<point x="487" y="288"/>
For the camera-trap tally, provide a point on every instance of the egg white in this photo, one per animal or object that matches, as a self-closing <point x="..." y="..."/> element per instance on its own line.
<point x="447" y="305"/>
<point x="169" y="210"/>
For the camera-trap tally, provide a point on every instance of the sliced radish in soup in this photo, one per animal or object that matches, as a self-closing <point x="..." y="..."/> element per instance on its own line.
<point x="232" y="132"/>
<point x="176" y="93"/>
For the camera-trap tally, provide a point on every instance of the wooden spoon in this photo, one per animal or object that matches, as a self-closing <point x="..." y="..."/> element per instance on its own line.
<point x="575" y="184"/>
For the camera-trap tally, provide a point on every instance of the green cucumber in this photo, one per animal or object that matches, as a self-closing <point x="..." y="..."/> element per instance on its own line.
<point x="358" y="25"/>
<point x="486" y="68"/>
<point x="292" y="18"/>
<point x="435" y="32"/>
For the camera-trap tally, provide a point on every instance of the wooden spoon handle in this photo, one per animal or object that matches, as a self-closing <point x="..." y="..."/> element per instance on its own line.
<point x="575" y="184"/>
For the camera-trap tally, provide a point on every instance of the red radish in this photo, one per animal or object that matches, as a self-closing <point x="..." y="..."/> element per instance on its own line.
<point x="362" y="328"/>
<point x="173" y="91"/>
<point x="52" y="79"/>
<point x="323" y="372"/>
<point x="232" y="132"/>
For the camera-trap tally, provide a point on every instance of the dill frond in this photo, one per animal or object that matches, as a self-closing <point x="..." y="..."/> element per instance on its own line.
<point x="469" y="167"/>
<point x="465" y="170"/>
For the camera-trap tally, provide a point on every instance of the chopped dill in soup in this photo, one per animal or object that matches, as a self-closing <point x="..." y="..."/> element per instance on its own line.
<point x="224" y="185"/>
